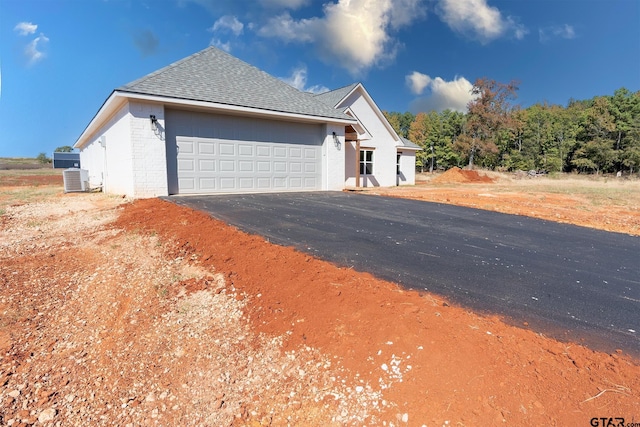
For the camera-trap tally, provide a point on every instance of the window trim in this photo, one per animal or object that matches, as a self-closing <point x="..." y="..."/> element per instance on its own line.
<point x="364" y="162"/>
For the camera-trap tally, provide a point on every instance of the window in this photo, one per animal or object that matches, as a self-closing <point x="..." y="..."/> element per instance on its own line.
<point x="366" y="162"/>
<point x="398" y="164"/>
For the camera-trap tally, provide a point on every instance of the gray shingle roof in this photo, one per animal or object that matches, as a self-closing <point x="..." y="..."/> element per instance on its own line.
<point x="213" y="75"/>
<point x="409" y="144"/>
<point x="333" y="97"/>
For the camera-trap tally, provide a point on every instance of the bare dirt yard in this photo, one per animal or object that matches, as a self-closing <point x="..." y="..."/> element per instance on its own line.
<point x="142" y="313"/>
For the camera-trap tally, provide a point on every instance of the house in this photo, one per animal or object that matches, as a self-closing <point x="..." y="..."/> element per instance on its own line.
<point x="211" y="123"/>
<point x="64" y="160"/>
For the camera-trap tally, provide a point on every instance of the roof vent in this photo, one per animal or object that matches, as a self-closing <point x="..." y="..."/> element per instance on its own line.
<point x="75" y="180"/>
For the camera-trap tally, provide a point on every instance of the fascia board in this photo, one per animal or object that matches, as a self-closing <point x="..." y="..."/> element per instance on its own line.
<point x="377" y="110"/>
<point x="108" y="107"/>
<point x="365" y="132"/>
<point x="234" y="109"/>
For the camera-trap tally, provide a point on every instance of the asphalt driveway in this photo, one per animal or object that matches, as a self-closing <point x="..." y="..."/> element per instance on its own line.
<point x="566" y="281"/>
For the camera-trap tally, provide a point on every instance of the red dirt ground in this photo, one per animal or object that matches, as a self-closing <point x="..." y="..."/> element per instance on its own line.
<point x="30" y="180"/>
<point x="457" y="175"/>
<point x="434" y="363"/>
<point x="465" y="368"/>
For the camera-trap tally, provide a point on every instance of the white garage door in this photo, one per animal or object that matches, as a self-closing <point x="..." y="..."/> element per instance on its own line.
<point x="226" y="154"/>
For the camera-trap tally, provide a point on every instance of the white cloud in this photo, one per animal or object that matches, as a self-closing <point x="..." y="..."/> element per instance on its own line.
<point x="565" y="31"/>
<point x="476" y="19"/>
<point x="298" y="79"/>
<point x="33" y="51"/>
<point x="228" y="23"/>
<point x="354" y="34"/>
<point x="220" y="45"/>
<point x="26" y="28"/>
<point x="453" y="95"/>
<point x="417" y="82"/>
<point x="284" y="4"/>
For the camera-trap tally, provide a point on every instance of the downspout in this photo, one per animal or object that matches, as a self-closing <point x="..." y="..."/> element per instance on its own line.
<point x="357" y="163"/>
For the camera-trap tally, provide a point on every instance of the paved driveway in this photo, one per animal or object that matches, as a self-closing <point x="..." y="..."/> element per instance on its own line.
<point x="566" y="281"/>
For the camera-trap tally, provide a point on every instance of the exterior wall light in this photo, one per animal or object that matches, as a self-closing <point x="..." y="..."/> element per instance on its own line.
<point x="154" y="122"/>
<point x="336" y="140"/>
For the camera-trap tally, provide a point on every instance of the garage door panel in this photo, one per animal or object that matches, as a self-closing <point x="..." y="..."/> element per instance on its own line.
<point x="206" y="148"/>
<point x="295" y="182"/>
<point x="310" y="183"/>
<point x="263" y="166"/>
<point x="263" y="183"/>
<point x="227" y="165"/>
<point x="187" y="184"/>
<point x="207" y="184"/>
<point x="227" y="149"/>
<point x="186" y="165"/>
<point x="246" y="183"/>
<point x="227" y="183"/>
<point x="295" y="152"/>
<point x="264" y="156"/>
<point x="245" y="165"/>
<point x="310" y="154"/>
<point x="245" y="150"/>
<point x="206" y="165"/>
<point x="185" y="147"/>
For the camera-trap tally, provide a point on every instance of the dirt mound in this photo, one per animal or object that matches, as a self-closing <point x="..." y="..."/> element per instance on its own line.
<point x="457" y="175"/>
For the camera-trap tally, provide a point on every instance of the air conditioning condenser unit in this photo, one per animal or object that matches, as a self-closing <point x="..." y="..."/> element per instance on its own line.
<point x="75" y="180"/>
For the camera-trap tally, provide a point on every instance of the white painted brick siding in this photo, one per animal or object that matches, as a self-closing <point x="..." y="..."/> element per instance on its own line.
<point x="133" y="163"/>
<point x="149" y="160"/>
<point x="110" y="166"/>
<point x="407" y="167"/>
<point x="382" y="143"/>
<point x="333" y="159"/>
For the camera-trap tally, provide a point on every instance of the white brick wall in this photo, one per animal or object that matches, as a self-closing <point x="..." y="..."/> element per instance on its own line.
<point x="110" y="166"/>
<point x="133" y="162"/>
<point x="382" y="143"/>
<point x="407" y="167"/>
<point x="333" y="159"/>
<point x="148" y="152"/>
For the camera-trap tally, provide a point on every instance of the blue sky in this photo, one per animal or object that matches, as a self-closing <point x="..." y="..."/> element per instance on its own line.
<point x="60" y="59"/>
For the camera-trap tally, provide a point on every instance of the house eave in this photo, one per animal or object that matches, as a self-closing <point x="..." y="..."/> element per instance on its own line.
<point x="235" y="109"/>
<point x="106" y="110"/>
<point x="118" y="97"/>
<point x="373" y="105"/>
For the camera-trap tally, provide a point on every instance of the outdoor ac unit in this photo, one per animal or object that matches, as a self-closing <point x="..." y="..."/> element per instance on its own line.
<point x="75" y="180"/>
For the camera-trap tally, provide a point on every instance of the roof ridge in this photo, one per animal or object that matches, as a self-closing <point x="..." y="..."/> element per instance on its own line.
<point x="165" y="68"/>
<point x="213" y="75"/>
<point x="337" y="89"/>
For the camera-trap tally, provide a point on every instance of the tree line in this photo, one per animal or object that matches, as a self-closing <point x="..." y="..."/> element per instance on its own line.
<point x="598" y="135"/>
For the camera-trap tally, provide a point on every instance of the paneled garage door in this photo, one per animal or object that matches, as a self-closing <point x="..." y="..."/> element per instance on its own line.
<point x="226" y="154"/>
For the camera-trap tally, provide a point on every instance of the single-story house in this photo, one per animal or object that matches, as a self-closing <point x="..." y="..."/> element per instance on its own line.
<point x="64" y="160"/>
<point x="211" y="123"/>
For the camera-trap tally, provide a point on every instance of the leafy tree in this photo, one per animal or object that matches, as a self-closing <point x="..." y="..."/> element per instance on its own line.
<point x="64" y="149"/>
<point x="597" y="152"/>
<point x="625" y="109"/>
<point x="400" y="122"/>
<point x="419" y="131"/>
<point x="43" y="159"/>
<point x="489" y="113"/>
